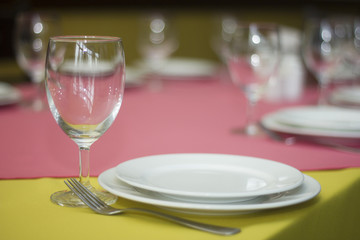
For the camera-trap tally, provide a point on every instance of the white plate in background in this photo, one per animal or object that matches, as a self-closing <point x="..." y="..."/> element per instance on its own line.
<point x="181" y="68"/>
<point x="188" y="67"/>
<point x="8" y="94"/>
<point x="323" y="121"/>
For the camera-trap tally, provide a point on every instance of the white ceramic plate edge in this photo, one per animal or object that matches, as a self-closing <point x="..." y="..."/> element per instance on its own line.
<point x="320" y="117"/>
<point x="270" y="122"/>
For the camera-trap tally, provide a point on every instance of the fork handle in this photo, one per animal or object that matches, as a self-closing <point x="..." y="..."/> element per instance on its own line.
<point x="188" y="223"/>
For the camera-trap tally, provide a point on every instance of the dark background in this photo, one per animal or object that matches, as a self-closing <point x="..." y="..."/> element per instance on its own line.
<point x="8" y="9"/>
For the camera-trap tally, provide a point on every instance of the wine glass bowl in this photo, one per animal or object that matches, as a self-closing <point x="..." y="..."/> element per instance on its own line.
<point x="252" y="56"/>
<point x="32" y="33"/>
<point x="85" y="78"/>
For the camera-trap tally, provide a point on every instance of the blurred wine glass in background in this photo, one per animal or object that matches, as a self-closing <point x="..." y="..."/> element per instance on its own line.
<point x="328" y="51"/>
<point x="224" y="27"/>
<point x="356" y="41"/>
<point x="252" y="56"/>
<point x="32" y="33"/>
<point x="157" y="42"/>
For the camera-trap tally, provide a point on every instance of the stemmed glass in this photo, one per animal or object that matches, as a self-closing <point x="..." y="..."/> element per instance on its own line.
<point x="85" y="77"/>
<point x="356" y="61"/>
<point x="252" y="56"/>
<point x="157" y="39"/>
<point x="327" y="50"/>
<point x="156" y="43"/>
<point x="32" y="33"/>
<point x="224" y="28"/>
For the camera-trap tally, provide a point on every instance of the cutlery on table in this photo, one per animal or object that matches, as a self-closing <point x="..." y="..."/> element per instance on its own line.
<point x="97" y="205"/>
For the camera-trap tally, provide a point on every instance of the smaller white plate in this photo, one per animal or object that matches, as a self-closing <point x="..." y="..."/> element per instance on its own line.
<point x="323" y="121"/>
<point x="8" y="94"/>
<point x="216" y="178"/>
<point x="308" y="190"/>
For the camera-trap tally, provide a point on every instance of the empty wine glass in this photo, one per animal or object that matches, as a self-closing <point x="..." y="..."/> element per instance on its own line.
<point x="85" y="77"/>
<point x="252" y="56"/>
<point x="328" y="46"/>
<point x="356" y="31"/>
<point x="32" y="33"/>
<point x="157" y="42"/>
<point x="224" y="28"/>
<point x="157" y="39"/>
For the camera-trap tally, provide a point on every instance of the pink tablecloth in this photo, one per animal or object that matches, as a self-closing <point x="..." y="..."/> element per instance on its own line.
<point x="184" y="117"/>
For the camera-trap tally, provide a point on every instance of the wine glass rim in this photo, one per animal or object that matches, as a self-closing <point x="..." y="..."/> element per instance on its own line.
<point x="85" y="38"/>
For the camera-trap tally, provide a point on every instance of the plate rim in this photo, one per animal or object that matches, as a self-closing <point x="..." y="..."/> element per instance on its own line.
<point x="218" y="157"/>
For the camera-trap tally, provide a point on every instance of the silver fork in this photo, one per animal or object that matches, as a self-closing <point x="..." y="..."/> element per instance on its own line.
<point x="96" y="204"/>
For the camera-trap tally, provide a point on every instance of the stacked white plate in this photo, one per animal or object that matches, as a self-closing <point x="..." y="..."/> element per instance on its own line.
<point x="209" y="184"/>
<point x="325" y="121"/>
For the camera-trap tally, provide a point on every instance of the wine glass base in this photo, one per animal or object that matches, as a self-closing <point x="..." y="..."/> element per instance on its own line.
<point x="69" y="199"/>
<point x="252" y="130"/>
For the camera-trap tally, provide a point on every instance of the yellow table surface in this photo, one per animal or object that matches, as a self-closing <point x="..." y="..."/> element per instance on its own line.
<point x="27" y="213"/>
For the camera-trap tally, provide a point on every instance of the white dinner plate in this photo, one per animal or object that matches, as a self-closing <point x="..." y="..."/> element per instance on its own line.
<point x="216" y="178"/>
<point x="8" y="94"/>
<point x="306" y="191"/>
<point x="323" y="121"/>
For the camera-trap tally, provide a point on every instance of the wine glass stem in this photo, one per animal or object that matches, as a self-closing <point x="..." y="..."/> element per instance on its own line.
<point x="324" y="89"/>
<point x="251" y="126"/>
<point x="38" y="103"/>
<point x="84" y="165"/>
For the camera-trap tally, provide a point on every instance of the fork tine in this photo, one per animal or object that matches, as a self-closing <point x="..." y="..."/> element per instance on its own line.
<point x="90" y="195"/>
<point x="81" y="196"/>
<point x="82" y="191"/>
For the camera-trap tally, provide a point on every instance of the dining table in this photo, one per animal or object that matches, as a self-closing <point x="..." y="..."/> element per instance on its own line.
<point x="196" y="115"/>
